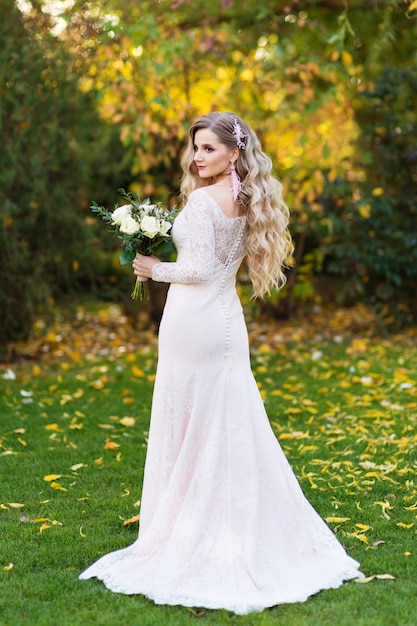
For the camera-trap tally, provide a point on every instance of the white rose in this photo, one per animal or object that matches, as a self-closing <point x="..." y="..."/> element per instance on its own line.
<point x="120" y="213"/>
<point x="164" y="227"/>
<point x="129" y="225"/>
<point x="150" y="226"/>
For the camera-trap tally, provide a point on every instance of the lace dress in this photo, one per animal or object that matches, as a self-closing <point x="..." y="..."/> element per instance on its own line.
<point x="224" y="523"/>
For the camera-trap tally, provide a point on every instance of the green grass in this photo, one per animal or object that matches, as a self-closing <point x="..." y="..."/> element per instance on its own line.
<point x="346" y="417"/>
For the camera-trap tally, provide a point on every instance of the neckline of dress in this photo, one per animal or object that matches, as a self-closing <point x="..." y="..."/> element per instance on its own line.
<point x="239" y="217"/>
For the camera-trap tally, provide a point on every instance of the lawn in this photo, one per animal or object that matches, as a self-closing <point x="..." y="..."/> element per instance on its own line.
<point x="74" y="412"/>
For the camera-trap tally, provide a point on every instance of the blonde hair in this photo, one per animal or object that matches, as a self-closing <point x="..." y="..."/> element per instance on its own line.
<point x="269" y="245"/>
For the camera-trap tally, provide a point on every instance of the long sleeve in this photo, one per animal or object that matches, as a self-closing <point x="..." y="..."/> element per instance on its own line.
<point x="196" y="257"/>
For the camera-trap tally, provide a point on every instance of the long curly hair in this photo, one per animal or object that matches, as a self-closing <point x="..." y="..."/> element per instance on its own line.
<point x="269" y="244"/>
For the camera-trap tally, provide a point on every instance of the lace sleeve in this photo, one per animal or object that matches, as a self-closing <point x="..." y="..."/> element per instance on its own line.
<point x="197" y="265"/>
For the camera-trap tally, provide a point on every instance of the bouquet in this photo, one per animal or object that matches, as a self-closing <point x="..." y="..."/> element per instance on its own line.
<point x="141" y="227"/>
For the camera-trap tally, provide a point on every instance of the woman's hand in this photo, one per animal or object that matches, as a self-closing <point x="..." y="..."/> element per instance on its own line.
<point x="142" y="266"/>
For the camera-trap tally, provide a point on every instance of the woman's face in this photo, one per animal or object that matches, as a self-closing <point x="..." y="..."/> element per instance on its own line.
<point x="211" y="157"/>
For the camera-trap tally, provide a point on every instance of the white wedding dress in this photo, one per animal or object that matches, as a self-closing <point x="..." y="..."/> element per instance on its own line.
<point x="224" y="523"/>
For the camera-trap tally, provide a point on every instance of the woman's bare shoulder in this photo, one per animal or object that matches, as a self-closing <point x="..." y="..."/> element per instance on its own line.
<point x="222" y="196"/>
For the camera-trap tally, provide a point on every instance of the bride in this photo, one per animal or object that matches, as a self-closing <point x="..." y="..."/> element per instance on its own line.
<point x="224" y="523"/>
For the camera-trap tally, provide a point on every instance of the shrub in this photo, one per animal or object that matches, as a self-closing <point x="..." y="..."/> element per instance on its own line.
<point x="53" y="144"/>
<point x="373" y="246"/>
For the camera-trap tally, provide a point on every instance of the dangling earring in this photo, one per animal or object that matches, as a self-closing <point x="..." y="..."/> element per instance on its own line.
<point x="236" y="182"/>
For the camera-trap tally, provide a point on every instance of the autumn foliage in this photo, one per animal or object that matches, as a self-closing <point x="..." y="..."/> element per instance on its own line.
<point x="102" y="98"/>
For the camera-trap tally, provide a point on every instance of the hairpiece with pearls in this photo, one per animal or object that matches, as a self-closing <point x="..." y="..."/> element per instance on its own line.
<point x="239" y="135"/>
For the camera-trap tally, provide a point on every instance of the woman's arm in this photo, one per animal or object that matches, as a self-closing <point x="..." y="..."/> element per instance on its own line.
<point x="199" y="265"/>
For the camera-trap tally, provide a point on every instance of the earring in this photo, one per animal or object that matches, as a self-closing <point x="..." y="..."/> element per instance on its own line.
<point x="236" y="182"/>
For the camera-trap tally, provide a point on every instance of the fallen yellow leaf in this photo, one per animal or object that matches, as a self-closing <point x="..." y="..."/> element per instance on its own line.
<point x="405" y="526"/>
<point x="337" y="520"/>
<point x="128" y="421"/>
<point x="367" y="579"/>
<point x="132" y="520"/>
<point x="50" y="477"/>
<point x="8" y="567"/>
<point x="65" y="398"/>
<point x="77" y="466"/>
<point x="98" y="384"/>
<point x="196" y="613"/>
<point x="111" y="445"/>
<point x="57" y="486"/>
<point x="44" y="527"/>
<point x="15" y="505"/>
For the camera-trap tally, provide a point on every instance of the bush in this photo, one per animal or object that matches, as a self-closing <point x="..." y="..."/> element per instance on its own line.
<point x="52" y="146"/>
<point x="373" y="246"/>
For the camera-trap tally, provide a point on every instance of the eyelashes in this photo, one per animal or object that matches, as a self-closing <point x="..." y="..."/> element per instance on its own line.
<point x="207" y="148"/>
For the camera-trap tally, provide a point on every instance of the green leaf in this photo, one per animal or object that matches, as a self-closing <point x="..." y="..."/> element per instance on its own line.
<point x="166" y="247"/>
<point x="126" y="257"/>
<point x="326" y="152"/>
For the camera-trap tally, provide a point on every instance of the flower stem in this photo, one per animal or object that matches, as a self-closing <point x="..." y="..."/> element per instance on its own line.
<point x="141" y="290"/>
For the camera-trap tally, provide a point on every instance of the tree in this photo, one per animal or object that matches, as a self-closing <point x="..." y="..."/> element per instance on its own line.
<point x="299" y="72"/>
<point x="374" y="243"/>
<point x="50" y="137"/>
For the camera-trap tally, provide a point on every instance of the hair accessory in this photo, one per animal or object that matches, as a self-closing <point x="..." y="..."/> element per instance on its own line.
<point x="239" y="135"/>
<point x="236" y="182"/>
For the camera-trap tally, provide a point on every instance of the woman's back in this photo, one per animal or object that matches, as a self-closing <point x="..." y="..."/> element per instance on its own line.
<point x="209" y="243"/>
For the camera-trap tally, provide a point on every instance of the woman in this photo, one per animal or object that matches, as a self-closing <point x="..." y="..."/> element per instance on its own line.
<point x="224" y="523"/>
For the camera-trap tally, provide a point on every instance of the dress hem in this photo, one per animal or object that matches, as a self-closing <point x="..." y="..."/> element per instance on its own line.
<point x="191" y="602"/>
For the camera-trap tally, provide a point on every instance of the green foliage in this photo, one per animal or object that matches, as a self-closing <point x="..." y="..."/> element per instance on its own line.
<point x="51" y="138"/>
<point x="374" y="241"/>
